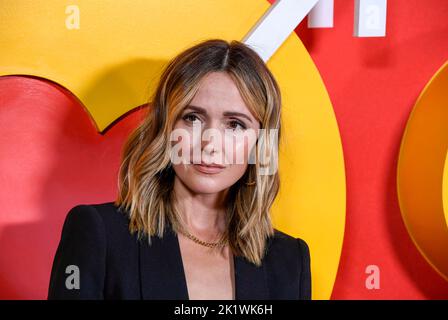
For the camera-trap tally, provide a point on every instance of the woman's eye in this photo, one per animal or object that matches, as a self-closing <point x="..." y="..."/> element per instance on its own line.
<point x="237" y="125"/>
<point x="190" y="117"/>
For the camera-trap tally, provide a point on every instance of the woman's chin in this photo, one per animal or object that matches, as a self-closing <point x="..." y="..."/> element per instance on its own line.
<point x="206" y="187"/>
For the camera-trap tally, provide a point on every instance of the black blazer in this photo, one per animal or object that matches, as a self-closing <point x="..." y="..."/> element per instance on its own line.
<point x="113" y="264"/>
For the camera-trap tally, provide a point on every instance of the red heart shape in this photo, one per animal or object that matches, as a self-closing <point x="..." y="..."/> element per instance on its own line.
<point x="51" y="159"/>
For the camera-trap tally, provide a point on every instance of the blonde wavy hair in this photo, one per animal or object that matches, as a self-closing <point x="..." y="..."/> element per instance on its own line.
<point x="145" y="181"/>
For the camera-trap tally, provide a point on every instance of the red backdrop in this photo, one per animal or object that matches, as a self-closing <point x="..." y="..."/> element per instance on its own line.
<point x="373" y="84"/>
<point x="56" y="158"/>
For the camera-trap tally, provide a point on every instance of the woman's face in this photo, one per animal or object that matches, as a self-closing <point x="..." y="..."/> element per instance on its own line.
<point x="216" y="128"/>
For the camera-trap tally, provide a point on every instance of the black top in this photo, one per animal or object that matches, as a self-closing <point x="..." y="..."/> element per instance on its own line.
<point x="113" y="264"/>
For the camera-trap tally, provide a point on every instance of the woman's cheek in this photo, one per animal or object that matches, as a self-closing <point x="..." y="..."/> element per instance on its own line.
<point x="243" y="148"/>
<point x="181" y="145"/>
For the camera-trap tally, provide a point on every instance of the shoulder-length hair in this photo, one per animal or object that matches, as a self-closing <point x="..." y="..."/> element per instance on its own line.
<point x="146" y="177"/>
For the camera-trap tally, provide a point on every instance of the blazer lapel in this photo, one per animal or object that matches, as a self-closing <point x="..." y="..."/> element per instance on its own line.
<point x="162" y="272"/>
<point x="250" y="280"/>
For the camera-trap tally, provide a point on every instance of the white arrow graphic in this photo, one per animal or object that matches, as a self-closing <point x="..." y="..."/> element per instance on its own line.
<point x="276" y="25"/>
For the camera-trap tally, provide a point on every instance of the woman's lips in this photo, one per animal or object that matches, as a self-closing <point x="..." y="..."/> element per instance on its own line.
<point x="208" y="168"/>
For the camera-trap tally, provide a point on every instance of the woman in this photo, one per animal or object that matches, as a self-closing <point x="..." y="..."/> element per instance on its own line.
<point x="196" y="184"/>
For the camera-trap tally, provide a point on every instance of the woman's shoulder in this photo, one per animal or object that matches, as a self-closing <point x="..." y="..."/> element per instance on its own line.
<point x="288" y="259"/>
<point x="105" y="210"/>
<point x="284" y="245"/>
<point x="104" y="215"/>
<point x="91" y="233"/>
<point x="281" y="238"/>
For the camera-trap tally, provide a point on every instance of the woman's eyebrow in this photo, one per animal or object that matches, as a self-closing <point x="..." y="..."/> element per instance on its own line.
<point x="232" y="113"/>
<point x="197" y="109"/>
<point x="226" y="113"/>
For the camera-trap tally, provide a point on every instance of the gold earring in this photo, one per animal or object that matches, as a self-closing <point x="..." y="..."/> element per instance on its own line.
<point x="250" y="183"/>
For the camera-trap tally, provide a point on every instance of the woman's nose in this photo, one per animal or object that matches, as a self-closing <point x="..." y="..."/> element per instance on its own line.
<point x="212" y="140"/>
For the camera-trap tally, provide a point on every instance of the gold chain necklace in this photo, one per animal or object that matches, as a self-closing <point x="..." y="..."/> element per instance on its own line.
<point x="203" y="243"/>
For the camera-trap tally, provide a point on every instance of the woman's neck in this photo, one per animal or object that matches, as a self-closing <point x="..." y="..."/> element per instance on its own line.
<point x="202" y="214"/>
